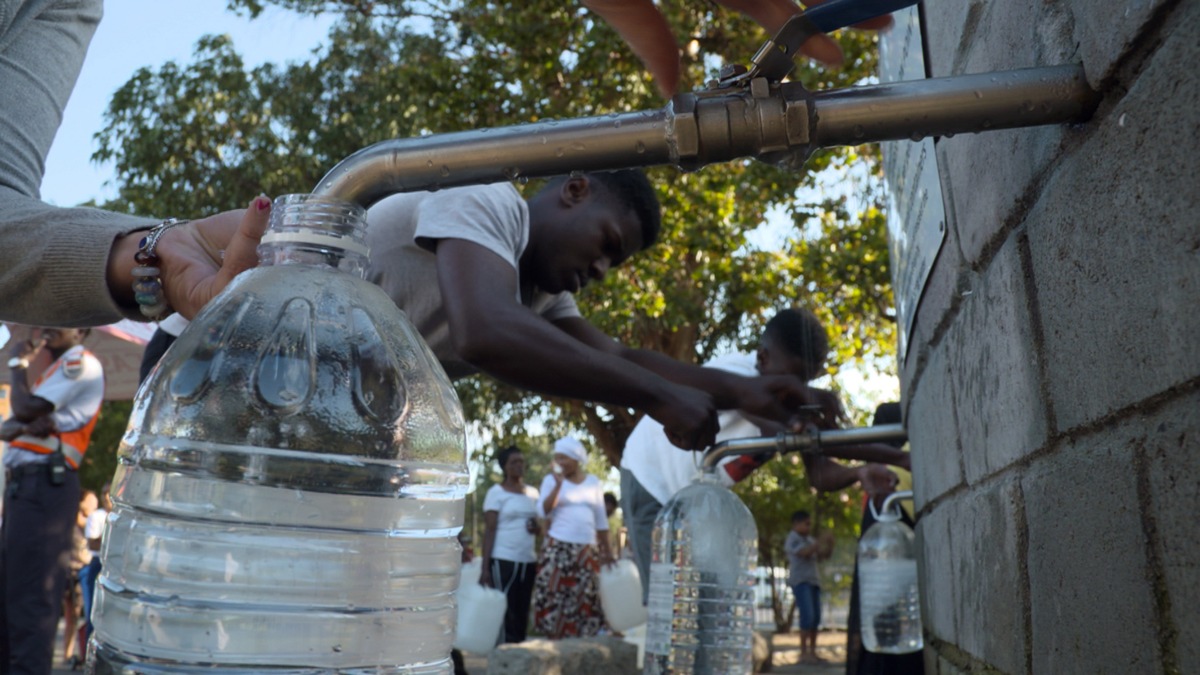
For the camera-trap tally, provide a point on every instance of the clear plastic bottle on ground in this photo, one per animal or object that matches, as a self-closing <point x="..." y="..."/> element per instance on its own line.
<point x="701" y="602"/>
<point x="889" y="601"/>
<point x="292" y="478"/>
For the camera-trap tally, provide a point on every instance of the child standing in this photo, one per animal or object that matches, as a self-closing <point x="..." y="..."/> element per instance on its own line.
<point x="803" y="552"/>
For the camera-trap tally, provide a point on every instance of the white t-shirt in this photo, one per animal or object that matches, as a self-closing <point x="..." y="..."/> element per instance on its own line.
<point x="402" y="232"/>
<point x="514" y="541"/>
<point x="578" y="512"/>
<point x="664" y="469"/>
<point x="94" y="527"/>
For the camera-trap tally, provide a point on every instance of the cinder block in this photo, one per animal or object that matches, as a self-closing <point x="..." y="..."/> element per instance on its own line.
<point x="944" y="667"/>
<point x="938" y="588"/>
<point x="983" y="538"/>
<point x="1092" y="609"/>
<point x="1104" y="36"/>
<point x="993" y="365"/>
<point x="1116" y="248"/>
<point x="1170" y="439"/>
<point x="933" y="432"/>
<point x="954" y="27"/>
<point x="1008" y="162"/>
<point x="1017" y="34"/>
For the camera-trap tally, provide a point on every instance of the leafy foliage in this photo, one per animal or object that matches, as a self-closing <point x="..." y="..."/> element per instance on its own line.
<point x="209" y="135"/>
<point x="100" y="462"/>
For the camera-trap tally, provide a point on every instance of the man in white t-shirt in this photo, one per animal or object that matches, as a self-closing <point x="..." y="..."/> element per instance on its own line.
<point x="486" y="277"/>
<point x="652" y="470"/>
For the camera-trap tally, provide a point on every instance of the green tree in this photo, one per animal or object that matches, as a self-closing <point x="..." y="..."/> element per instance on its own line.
<point x="193" y="139"/>
<point x="100" y="462"/>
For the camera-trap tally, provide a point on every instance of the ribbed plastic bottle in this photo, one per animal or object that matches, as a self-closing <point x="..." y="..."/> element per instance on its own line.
<point x="889" y="601"/>
<point x="292" y="478"/>
<point x="701" y="601"/>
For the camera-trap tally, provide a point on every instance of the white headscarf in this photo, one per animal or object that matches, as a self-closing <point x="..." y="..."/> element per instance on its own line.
<point x="571" y="448"/>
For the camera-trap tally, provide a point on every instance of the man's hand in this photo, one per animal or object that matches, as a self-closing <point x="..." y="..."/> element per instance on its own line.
<point x="689" y="418"/>
<point x="877" y="480"/>
<point x="780" y="398"/>
<point x="647" y="33"/>
<point x="27" y="349"/>
<point x="42" y="427"/>
<point x="10" y="429"/>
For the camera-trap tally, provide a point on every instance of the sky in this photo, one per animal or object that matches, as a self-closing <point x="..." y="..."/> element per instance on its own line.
<point x="138" y="33"/>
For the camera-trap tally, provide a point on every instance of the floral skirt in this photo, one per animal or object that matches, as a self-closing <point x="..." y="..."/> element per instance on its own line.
<point x="566" y="593"/>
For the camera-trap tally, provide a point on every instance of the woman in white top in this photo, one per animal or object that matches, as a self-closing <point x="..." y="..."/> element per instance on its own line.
<point x="566" y="597"/>
<point x="510" y="523"/>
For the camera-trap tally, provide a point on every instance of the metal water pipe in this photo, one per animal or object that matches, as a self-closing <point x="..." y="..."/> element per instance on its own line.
<point x="811" y="442"/>
<point x="779" y="123"/>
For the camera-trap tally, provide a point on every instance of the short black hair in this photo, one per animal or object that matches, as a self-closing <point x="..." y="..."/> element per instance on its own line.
<point x="800" y="332"/>
<point x="610" y="498"/>
<point x="800" y="516"/>
<point x="631" y="188"/>
<point x="504" y="454"/>
<point x="889" y="413"/>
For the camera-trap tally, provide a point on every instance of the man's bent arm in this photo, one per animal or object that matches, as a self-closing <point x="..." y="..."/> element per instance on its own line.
<point x="494" y="333"/>
<point x="771" y="395"/>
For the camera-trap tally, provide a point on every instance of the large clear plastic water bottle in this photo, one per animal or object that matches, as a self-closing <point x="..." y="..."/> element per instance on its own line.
<point x="889" y="601"/>
<point x="701" y="601"/>
<point x="292" y="478"/>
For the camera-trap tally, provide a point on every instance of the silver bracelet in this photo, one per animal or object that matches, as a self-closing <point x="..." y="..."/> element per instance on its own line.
<point x="147" y="282"/>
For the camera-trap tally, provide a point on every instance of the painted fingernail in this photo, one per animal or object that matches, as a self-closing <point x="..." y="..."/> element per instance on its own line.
<point x="262" y="202"/>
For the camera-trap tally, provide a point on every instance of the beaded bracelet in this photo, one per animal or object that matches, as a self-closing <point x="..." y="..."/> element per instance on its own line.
<point x="147" y="285"/>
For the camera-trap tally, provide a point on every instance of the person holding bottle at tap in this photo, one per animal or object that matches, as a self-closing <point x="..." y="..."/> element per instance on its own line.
<point x="793" y="343"/>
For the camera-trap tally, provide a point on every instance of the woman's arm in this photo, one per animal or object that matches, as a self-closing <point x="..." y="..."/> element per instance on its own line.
<point x="550" y="499"/>
<point x="490" y="520"/>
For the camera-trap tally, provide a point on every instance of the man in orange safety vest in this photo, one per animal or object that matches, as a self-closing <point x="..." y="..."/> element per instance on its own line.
<point x="47" y="435"/>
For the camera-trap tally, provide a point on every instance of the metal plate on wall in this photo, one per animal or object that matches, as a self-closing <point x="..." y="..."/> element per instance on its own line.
<point x="916" y="215"/>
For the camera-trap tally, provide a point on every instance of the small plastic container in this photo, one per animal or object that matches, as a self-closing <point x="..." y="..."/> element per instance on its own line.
<point x="887" y="576"/>
<point x="621" y="596"/>
<point x="480" y="612"/>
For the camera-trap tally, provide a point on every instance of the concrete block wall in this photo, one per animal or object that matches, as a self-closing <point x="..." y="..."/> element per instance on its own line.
<point x="1052" y="389"/>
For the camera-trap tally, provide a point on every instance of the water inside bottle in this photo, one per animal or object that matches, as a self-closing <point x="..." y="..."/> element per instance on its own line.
<point x="701" y="599"/>
<point x="289" y="488"/>
<point x="890" y="606"/>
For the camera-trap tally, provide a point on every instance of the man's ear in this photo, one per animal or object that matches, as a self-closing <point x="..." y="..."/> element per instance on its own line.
<point x="575" y="190"/>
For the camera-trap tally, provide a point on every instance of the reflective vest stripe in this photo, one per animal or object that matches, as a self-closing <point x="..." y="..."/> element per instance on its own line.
<point x="45" y="446"/>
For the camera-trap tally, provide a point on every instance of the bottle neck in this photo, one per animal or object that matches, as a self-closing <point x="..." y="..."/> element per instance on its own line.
<point x="316" y="232"/>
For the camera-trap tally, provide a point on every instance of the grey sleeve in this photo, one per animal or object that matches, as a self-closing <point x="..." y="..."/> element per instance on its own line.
<point x="53" y="261"/>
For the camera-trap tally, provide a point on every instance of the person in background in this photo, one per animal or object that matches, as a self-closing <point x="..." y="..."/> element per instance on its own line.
<point x="509" y="534"/>
<point x="48" y="434"/>
<point x="566" y="596"/>
<point x="616" y="533"/>
<point x="878" y="485"/>
<point x="652" y="470"/>
<point x="94" y="531"/>
<point x="74" y="621"/>
<point x="803" y="551"/>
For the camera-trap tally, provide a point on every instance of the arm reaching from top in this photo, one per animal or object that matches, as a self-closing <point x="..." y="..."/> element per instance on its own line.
<point x="648" y="35"/>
